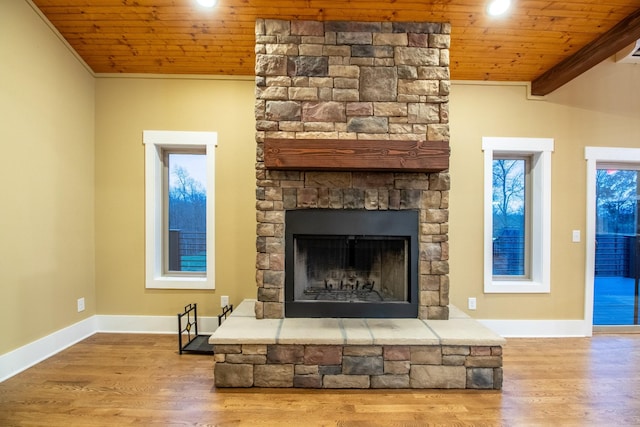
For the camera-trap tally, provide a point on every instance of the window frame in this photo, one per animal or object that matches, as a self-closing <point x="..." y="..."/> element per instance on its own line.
<point x="539" y="150"/>
<point x="156" y="143"/>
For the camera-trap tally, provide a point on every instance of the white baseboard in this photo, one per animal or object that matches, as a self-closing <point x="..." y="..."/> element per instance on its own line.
<point x="150" y="324"/>
<point x="22" y="358"/>
<point x="538" y="328"/>
<point x="28" y="355"/>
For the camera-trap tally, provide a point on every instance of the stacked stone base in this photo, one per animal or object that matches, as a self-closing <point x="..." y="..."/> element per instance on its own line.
<point x="358" y="366"/>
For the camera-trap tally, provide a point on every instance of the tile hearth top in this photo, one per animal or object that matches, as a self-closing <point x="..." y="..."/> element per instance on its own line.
<point x="243" y="328"/>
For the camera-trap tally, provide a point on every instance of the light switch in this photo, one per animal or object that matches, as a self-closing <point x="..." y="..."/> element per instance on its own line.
<point x="576" y="236"/>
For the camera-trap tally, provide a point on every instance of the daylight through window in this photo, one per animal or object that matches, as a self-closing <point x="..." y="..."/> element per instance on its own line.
<point x="510" y="217"/>
<point x="186" y="213"/>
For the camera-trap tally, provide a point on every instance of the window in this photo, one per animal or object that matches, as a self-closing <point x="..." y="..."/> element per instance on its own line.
<point x="511" y="216"/>
<point x="517" y="214"/>
<point x="185" y="211"/>
<point x="179" y="185"/>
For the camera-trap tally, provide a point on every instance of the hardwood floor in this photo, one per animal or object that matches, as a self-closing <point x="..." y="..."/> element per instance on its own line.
<point x="120" y="380"/>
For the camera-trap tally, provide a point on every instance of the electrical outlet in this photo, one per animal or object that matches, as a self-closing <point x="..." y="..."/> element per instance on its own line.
<point x="472" y="304"/>
<point x="80" y="304"/>
<point x="224" y="301"/>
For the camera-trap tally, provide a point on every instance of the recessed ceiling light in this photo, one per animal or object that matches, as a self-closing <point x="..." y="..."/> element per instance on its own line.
<point x="207" y="3"/>
<point x="498" y="7"/>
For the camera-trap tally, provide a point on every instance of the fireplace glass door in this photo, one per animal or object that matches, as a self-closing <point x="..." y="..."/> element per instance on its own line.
<point x="351" y="268"/>
<point x="351" y="263"/>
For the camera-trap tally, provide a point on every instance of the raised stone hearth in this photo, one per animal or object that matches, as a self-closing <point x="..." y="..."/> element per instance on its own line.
<point x="458" y="353"/>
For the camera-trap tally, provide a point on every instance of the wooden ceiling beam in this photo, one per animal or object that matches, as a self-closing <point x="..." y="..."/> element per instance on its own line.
<point x="617" y="38"/>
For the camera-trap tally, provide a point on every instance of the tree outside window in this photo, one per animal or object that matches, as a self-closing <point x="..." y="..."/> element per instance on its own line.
<point x="509" y="216"/>
<point x="617" y="193"/>
<point x="187" y="212"/>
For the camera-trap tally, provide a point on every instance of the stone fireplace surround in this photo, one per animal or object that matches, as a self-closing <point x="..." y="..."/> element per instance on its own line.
<point x="370" y="82"/>
<point x="361" y="84"/>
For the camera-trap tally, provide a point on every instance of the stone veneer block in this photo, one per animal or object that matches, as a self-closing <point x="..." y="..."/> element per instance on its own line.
<point x="362" y="365"/>
<point x="307" y="381"/>
<point x="233" y="375"/>
<point x="435" y="376"/>
<point x="480" y="378"/>
<point x="346" y="381"/>
<point x="308" y="66"/>
<point x="323" y="112"/>
<point x="397" y="352"/>
<point x="397" y="367"/>
<point x="390" y="381"/>
<point x="362" y="350"/>
<point x="483" y="361"/>
<point x="426" y="355"/>
<point x="282" y="354"/>
<point x="307" y="28"/>
<point x="378" y="84"/>
<point x="253" y="359"/>
<point x="273" y="375"/>
<point x="323" y="355"/>
<point x="271" y="65"/>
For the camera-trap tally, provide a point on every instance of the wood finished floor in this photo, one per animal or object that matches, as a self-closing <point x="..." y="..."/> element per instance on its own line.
<point x="121" y="380"/>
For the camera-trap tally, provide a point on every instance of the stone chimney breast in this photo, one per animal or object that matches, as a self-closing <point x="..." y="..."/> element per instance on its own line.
<point x="352" y="116"/>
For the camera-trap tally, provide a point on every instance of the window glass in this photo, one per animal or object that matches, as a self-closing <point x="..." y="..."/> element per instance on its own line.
<point x="186" y="212"/>
<point x="509" y="217"/>
<point x="616" y="196"/>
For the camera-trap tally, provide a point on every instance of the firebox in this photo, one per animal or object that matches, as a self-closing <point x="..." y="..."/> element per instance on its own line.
<point x="351" y="263"/>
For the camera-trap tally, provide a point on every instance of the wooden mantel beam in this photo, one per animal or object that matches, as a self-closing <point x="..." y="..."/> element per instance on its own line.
<point x="617" y="38"/>
<point x="356" y="155"/>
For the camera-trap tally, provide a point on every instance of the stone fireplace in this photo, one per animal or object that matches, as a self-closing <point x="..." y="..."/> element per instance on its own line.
<point x="352" y="217"/>
<point x="352" y="116"/>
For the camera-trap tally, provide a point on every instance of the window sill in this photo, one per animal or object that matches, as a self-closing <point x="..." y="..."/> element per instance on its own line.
<point x="516" y="287"/>
<point x="166" y="282"/>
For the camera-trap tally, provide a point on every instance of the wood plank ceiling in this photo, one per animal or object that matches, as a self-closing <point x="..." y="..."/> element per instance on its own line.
<point x="180" y="37"/>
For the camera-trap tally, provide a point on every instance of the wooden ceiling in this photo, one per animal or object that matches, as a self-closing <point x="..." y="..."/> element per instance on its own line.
<point x="180" y="37"/>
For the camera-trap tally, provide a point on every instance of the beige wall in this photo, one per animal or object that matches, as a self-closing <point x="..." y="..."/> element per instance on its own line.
<point x="127" y="106"/>
<point x="124" y="108"/>
<point x="599" y="108"/>
<point x="46" y="180"/>
<point x="52" y="231"/>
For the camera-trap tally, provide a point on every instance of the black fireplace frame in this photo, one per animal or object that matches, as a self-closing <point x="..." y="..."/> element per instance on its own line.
<point x="352" y="222"/>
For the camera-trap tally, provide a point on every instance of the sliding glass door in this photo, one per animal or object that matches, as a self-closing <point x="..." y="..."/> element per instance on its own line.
<point x="617" y="260"/>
